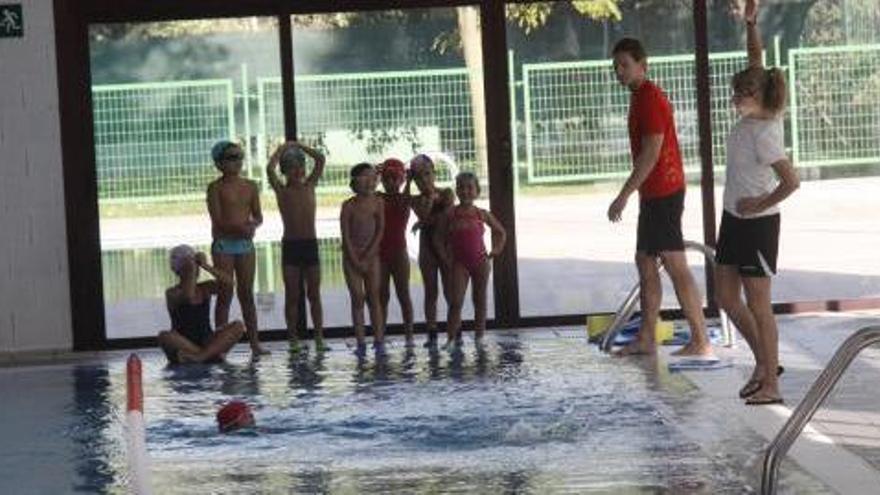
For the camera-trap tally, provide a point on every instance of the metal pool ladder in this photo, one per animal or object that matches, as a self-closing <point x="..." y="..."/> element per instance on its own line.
<point x="802" y="415"/>
<point x="628" y="307"/>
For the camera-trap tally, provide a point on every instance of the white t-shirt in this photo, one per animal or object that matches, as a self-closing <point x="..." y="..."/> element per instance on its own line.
<point x="752" y="147"/>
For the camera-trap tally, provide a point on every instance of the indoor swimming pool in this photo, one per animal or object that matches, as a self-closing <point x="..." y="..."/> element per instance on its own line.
<point x="538" y="411"/>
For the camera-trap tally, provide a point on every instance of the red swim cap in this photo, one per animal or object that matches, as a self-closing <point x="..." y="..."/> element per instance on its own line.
<point x="392" y="167"/>
<point x="234" y="415"/>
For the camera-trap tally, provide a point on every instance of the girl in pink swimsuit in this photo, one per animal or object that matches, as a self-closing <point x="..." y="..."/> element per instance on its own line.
<point x="460" y="246"/>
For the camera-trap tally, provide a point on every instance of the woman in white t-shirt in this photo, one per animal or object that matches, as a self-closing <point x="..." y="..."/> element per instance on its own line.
<point x="759" y="175"/>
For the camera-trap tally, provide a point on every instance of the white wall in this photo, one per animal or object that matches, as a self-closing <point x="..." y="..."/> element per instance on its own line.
<point x="34" y="290"/>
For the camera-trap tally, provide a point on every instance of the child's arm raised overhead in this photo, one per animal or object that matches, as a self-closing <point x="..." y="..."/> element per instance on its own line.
<point x="753" y="37"/>
<point x="499" y="233"/>
<point x="221" y="278"/>
<point x="189" y="281"/>
<point x="407" y="188"/>
<point x="272" y="168"/>
<point x="318" y="170"/>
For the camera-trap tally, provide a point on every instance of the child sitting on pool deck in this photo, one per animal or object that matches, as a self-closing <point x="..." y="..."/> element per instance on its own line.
<point x="362" y="221"/>
<point x="189" y="306"/>
<point x="459" y="243"/>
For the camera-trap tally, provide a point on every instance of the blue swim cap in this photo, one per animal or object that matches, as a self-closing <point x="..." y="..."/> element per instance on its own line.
<point x="292" y="157"/>
<point x="219" y="148"/>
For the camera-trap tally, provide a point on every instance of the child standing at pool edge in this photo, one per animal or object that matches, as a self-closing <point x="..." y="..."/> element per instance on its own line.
<point x="459" y="242"/>
<point x="299" y="251"/>
<point x="393" y="254"/>
<point x="234" y="207"/>
<point x="429" y="206"/>
<point x="362" y="221"/>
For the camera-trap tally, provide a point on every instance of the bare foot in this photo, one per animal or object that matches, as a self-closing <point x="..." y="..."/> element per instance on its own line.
<point x="320" y="345"/>
<point x="257" y="350"/>
<point x="763" y="398"/>
<point x="637" y="348"/>
<point x="692" y="349"/>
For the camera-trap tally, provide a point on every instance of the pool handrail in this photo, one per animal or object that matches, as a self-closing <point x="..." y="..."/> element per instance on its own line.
<point x="814" y="398"/>
<point x="628" y="308"/>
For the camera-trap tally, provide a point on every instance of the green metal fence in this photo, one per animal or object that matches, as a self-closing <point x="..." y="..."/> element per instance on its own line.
<point x="371" y="116"/>
<point x="152" y="140"/>
<point x="575" y="115"/>
<point x="835" y="105"/>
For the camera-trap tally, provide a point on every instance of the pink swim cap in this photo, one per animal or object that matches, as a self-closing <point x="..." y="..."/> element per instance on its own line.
<point x="234" y="415"/>
<point x="421" y="161"/>
<point x="179" y="256"/>
<point x="393" y="168"/>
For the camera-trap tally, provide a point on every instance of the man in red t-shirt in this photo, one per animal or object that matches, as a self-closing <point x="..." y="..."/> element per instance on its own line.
<point x="658" y="176"/>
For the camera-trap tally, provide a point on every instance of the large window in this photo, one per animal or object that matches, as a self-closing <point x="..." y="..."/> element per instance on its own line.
<point x="572" y="149"/>
<point x="163" y="94"/>
<point x="368" y="86"/>
<point x="828" y="52"/>
<point x="394" y="83"/>
<point x="376" y="85"/>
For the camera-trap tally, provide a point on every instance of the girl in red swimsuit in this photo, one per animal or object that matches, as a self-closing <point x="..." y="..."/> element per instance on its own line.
<point x="393" y="255"/>
<point x="460" y="246"/>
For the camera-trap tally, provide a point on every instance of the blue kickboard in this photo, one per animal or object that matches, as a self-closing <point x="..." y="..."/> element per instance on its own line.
<point x="628" y="332"/>
<point x="683" y="335"/>
<point x="698" y="365"/>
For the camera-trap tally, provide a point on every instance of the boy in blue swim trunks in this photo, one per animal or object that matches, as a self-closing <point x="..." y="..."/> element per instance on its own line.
<point x="234" y="206"/>
<point x="295" y="193"/>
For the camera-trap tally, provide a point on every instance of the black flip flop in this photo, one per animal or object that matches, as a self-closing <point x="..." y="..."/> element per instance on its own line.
<point x="749" y="388"/>
<point x="763" y="401"/>
<point x="753" y="386"/>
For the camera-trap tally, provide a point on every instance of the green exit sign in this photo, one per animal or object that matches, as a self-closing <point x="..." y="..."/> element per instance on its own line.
<point x="11" y="21"/>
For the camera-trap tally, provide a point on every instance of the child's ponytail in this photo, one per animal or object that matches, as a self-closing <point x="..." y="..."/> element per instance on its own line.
<point x="774" y="93"/>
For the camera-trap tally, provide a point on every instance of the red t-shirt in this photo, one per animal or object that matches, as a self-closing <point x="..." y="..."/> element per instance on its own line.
<point x="651" y="113"/>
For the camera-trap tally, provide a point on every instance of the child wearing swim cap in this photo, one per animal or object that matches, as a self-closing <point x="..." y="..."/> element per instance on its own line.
<point x="429" y="205"/>
<point x="190" y="338"/>
<point x="295" y="195"/>
<point x="234" y="207"/>
<point x="459" y="244"/>
<point x="393" y="255"/>
<point x="235" y="415"/>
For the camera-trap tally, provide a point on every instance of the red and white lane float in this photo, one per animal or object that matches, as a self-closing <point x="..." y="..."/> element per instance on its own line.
<point x="138" y="462"/>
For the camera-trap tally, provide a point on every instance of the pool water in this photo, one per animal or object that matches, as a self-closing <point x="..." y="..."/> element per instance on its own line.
<point x="537" y="412"/>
